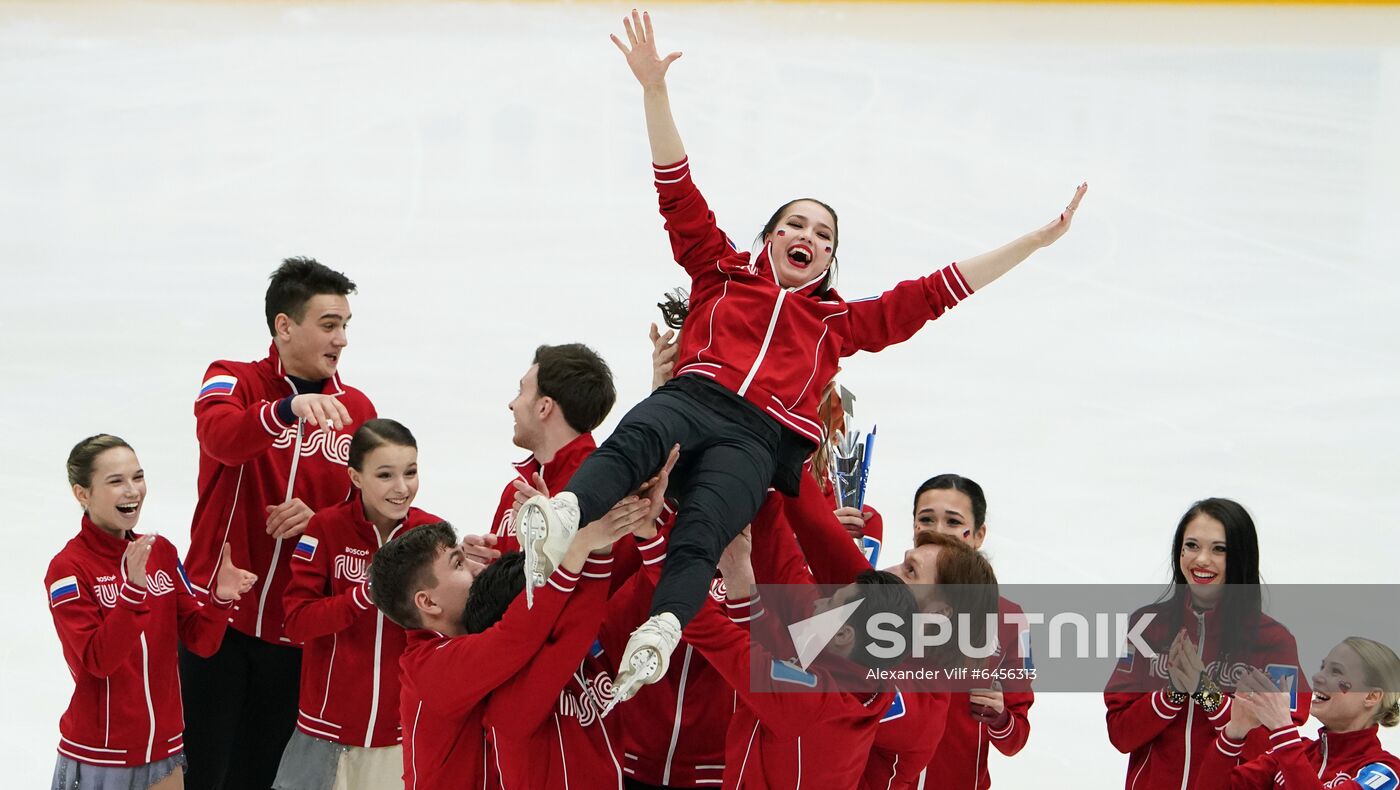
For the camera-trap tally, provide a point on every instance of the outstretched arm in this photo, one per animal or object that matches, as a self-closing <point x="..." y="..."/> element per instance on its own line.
<point x="650" y="71"/>
<point x="981" y="270"/>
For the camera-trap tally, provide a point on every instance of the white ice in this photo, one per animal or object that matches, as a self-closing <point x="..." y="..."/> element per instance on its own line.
<point x="1219" y="321"/>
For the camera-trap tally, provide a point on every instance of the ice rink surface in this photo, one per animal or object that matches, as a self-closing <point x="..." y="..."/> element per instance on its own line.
<point x="1221" y="319"/>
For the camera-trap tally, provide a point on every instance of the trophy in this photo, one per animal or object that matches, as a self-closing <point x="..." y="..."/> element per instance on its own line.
<point x="849" y="457"/>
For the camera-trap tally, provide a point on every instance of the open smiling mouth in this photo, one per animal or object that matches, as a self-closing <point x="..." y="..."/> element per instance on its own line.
<point x="799" y="255"/>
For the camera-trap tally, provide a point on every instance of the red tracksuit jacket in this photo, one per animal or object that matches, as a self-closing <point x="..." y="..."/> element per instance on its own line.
<point x="1166" y="743"/>
<point x="961" y="758"/>
<point x="1351" y="760"/>
<point x="249" y="459"/>
<point x="350" y="656"/>
<point x="787" y="730"/>
<point x="120" y="644"/>
<point x="673" y="731"/>
<point x="557" y="474"/>
<point x="444" y="680"/>
<point x="773" y="346"/>
<point x="544" y="728"/>
<point x="910" y="732"/>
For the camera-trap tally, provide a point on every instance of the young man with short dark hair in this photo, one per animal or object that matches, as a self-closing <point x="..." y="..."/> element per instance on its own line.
<point x="564" y="396"/>
<point x="465" y="642"/>
<point x="273" y="443"/>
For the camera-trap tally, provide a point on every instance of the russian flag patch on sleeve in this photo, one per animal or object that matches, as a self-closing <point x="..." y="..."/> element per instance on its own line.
<point x="63" y="591"/>
<point x="217" y="385"/>
<point x="306" y="548"/>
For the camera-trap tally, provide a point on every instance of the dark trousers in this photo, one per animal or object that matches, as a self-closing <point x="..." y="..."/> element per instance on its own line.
<point x="240" y="710"/>
<point x="728" y="452"/>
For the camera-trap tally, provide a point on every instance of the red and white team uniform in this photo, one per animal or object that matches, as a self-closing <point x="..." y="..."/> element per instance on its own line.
<point x="773" y="346"/>
<point x="673" y="730"/>
<point x="961" y="758"/>
<point x="1165" y="743"/>
<point x="1350" y="760"/>
<point x="544" y="728"/>
<point x="910" y="732"/>
<point x="250" y="459"/>
<point x="120" y="642"/>
<point x="790" y="723"/>
<point x="444" y="680"/>
<point x="556" y="474"/>
<point x="350" y="655"/>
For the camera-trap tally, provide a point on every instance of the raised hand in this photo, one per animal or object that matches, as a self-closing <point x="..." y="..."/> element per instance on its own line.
<point x="288" y="519"/>
<point x="1243" y="716"/>
<point x="655" y="491"/>
<point x="1269" y="703"/>
<point x="736" y="565"/>
<point x="1051" y="233"/>
<point x="853" y="519"/>
<point x="322" y="411"/>
<point x="232" y="581"/>
<point x="640" y="51"/>
<point x="525" y="491"/>
<point x="663" y="356"/>
<point x="624" y="518"/>
<point x="987" y="704"/>
<point x="480" y="548"/>
<point x="134" y="558"/>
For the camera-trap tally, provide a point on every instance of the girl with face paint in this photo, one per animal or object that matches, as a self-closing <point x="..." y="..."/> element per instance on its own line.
<point x="1208" y="629"/>
<point x="1355" y="692"/>
<point x="766" y="331"/>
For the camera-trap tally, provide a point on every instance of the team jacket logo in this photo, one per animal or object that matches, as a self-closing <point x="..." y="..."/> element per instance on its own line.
<point x="106" y="594"/>
<point x="506" y="526"/>
<point x="719" y="591"/>
<point x="1227" y="675"/>
<point x="159" y="584"/>
<point x="588" y="706"/>
<point x="351" y="568"/>
<point x="334" y="446"/>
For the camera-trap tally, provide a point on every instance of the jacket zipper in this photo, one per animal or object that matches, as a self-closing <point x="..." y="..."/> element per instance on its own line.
<point x="277" y="546"/>
<point x="1190" y="708"/>
<point x="763" y="349"/>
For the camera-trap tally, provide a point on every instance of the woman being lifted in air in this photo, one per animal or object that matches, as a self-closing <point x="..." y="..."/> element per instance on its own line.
<point x="764" y="335"/>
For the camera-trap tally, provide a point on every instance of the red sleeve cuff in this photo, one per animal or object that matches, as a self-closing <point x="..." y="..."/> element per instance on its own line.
<point x="1163" y="706"/>
<point x="562" y="580"/>
<point x="131" y="595"/>
<point x="673" y="173"/>
<point x="598" y="566"/>
<point x="653" y="551"/>
<point x="1284" y="738"/>
<point x="743" y="610"/>
<point x="1229" y="746"/>
<point x="1001" y="730"/>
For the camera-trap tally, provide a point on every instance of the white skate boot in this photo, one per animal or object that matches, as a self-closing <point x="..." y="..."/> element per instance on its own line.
<point x="647" y="655"/>
<point x="545" y="527"/>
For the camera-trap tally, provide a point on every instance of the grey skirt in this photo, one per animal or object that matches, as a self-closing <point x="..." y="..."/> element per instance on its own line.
<point x="70" y="774"/>
<point x="308" y="763"/>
